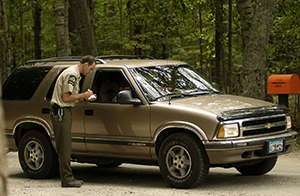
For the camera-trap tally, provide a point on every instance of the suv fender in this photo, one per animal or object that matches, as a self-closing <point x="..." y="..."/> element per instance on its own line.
<point x="181" y="125"/>
<point x="168" y="128"/>
<point x="27" y="123"/>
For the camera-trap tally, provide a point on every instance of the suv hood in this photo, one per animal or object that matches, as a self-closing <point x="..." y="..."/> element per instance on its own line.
<point x="216" y="104"/>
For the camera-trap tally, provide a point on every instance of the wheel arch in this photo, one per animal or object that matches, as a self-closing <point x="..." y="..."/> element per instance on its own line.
<point x="26" y="124"/>
<point x="174" y="127"/>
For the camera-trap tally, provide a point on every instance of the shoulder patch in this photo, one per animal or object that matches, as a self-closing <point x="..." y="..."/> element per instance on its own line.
<point x="72" y="80"/>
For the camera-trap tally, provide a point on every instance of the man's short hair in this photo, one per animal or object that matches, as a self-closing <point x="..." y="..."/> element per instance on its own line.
<point x="88" y="59"/>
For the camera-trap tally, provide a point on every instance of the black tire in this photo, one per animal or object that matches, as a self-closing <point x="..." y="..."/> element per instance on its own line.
<point x="258" y="169"/>
<point x="183" y="161"/>
<point x="37" y="156"/>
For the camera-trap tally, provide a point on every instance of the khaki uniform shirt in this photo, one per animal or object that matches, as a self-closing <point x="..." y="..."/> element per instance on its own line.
<point x="68" y="81"/>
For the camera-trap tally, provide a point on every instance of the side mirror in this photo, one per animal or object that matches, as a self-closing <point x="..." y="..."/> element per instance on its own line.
<point x="125" y="97"/>
<point x="216" y="85"/>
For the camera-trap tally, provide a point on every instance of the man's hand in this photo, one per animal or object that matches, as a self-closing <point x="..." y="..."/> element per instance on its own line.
<point x="68" y="96"/>
<point x="90" y="95"/>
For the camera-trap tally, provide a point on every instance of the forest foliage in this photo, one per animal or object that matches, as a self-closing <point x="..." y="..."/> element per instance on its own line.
<point x="168" y="29"/>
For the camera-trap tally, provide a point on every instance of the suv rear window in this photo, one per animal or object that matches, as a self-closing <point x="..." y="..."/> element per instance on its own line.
<point x="23" y="82"/>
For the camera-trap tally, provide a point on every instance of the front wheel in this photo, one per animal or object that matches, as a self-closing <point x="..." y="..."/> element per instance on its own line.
<point x="37" y="156"/>
<point x="260" y="168"/>
<point x="183" y="161"/>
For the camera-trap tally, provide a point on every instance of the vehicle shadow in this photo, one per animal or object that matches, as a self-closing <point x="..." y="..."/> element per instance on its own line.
<point x="129" y="175"/>
<point x="149" y="176"/>
<point x="126" y="174"/>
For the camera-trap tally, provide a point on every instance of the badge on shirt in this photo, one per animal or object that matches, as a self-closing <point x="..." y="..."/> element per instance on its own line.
<point x="72" y="80"/>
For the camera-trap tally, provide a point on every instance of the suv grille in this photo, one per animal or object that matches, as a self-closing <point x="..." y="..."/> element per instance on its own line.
<point x="263" y="125"/>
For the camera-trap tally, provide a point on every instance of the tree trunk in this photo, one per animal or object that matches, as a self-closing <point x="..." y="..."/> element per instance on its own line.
<point x="121" y="25"/>
<point x="219" y="42"/>
<point x="5" y="62"/>
<point x="37" y="16"/>
<point x="200" y="38"/>
<point x="75" y="40"/>
<point x="245" y="9"/>
<point x="256" y="30"/>
<point x="84" y="26"/>
<point x="60" y="8"/>
<point x="22" y="32"/>
<point x="137" y="32"/>
<point x="230" y="65"/>
<point x="5" y="45"/>
<point x="91" y="7"/>
<point x="3" y="174"/>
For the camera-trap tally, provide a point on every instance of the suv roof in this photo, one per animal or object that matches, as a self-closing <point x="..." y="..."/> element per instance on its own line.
<point x="142" y="63"/>
<point x="119" y="60"/>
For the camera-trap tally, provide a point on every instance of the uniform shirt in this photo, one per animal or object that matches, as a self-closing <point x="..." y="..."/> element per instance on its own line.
<point x="68" y="81"/>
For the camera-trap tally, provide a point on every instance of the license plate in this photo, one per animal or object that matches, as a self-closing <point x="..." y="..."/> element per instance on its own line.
<point x="276" y="146"/>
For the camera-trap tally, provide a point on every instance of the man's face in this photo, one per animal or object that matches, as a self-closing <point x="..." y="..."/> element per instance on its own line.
<point x="88" y="69"/>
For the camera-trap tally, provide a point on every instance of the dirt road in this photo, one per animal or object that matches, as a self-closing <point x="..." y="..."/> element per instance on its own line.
<point x="138" y="180"/>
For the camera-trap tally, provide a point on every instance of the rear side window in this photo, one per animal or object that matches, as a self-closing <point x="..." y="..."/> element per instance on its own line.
<point x="51" y="89"/>
<point x="23" y="82"/>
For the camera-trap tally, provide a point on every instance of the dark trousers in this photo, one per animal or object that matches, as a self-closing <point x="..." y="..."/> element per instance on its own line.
<point x="62" y="132"/>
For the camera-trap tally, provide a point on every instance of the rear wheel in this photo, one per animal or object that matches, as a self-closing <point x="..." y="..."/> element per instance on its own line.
<point x="183" y="161"/>
<point x="258" y="169"/>
<point x="37" y="156"/>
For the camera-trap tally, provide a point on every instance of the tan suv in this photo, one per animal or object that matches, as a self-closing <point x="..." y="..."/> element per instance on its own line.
<point x="148" y="111"/>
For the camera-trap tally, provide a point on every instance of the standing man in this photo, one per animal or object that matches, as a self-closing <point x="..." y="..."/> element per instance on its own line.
<point x="65" y="97"/>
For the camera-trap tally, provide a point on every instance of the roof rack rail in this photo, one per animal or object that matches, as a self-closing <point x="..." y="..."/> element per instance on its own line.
<point x="59" y="59"/>
<point x="111" y="57"/>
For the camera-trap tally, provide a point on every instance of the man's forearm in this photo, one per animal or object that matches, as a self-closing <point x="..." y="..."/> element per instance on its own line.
<point x="67" y="97"/>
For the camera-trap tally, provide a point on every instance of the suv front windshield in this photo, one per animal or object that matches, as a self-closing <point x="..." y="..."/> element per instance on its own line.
<point x="164" y="82"/>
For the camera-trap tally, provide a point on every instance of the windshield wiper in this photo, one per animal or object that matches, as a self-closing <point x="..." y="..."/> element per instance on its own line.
<point x="201" y="92"/>
<point x="190" y="94"/>
<point x="169" y="95"/>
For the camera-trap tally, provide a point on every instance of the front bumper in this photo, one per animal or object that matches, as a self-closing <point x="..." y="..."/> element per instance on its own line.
<point x="234" y="151"/>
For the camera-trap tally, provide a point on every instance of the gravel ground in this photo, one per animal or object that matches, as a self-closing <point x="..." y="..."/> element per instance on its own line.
<point x="136" y="180"/>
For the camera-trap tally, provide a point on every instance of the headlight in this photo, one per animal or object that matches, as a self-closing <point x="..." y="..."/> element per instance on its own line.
<point x="229" y="130"/>
<point x="288" y="122"/>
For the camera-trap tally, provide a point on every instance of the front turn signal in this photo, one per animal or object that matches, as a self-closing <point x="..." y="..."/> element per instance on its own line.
<point x="229" y="130"/>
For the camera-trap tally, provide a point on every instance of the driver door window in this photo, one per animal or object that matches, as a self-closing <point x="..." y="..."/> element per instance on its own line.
<point x="108" y="83"/>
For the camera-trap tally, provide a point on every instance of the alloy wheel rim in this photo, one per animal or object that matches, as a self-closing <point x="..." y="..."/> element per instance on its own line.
<point x="34" y="155"/>
<point x="179" y="162"/>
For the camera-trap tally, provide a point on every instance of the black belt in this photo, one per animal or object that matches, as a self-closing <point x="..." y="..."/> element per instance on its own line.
<point x="58" y="111"/>
<point x="57" y="106"/>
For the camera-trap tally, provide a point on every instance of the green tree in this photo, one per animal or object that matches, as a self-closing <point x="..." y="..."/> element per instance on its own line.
<point x="256" y="26"/>
<point x="187" y="30"/>
<point x="84" y="26"/>
<point x="37" y="28"/>
<point x="60" y="9"/>
<point x="5" y="44"/>
<point x="220" y="68"/>
<point x="284" y="48"/>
